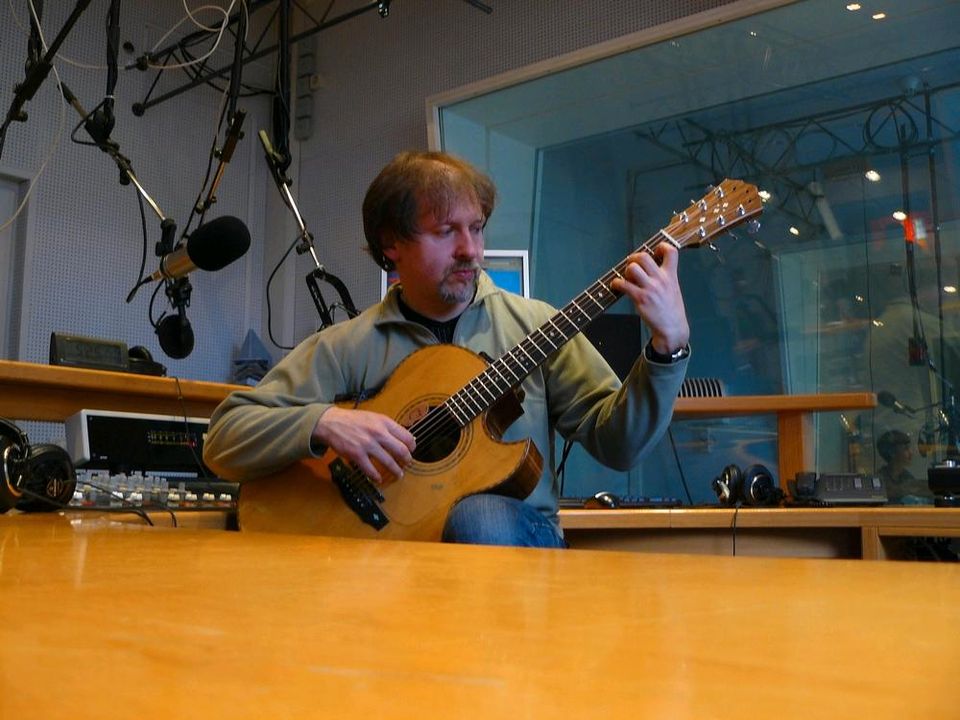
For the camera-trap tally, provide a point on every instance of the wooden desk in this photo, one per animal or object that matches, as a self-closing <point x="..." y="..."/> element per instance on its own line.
<point x="783" y="532"/>
<point x="110" y="620"/>
<point x="30" y="391"/>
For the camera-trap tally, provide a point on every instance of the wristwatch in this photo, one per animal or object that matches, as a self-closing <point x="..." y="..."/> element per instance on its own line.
<point x="677" y="355"/>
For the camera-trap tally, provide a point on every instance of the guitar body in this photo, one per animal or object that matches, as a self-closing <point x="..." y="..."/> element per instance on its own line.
<point x="304" y="499"/>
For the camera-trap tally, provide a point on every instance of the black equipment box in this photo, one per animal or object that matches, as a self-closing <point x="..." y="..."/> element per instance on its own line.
<point x="837" y="489"/>
<point x="130" y="442"/>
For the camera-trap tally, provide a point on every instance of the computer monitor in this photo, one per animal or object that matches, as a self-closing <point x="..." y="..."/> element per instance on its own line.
<point x="509" y="269"/>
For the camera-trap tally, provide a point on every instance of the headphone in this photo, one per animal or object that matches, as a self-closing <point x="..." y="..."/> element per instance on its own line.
<point x="754" y="487"/>
<point x="33" y="478"/>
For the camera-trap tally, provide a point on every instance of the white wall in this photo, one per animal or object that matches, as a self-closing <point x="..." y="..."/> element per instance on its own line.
<point x="83" y="246"/>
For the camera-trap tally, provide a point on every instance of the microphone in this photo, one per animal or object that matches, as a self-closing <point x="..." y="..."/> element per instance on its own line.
<point x="887" y="399"/>
<point x="174" y="331"/>
<point x="212" y="246"/>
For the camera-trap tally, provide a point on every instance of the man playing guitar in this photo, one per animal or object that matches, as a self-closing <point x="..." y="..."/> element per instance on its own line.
<point x="424" y="217"/>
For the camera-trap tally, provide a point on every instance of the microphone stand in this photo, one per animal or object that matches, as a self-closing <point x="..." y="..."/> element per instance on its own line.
<point x="112" y="148"/>
<point x="305" y="244"/>
<point x="37" y="70"/>
<point x="178" y="291"/>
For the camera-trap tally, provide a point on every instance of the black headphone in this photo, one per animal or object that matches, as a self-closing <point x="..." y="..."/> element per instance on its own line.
<point x="33" y="478"/>
<point x="754" y="487"/>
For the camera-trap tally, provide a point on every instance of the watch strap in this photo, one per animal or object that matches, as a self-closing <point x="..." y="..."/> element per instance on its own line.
<point x="666" y="359"/>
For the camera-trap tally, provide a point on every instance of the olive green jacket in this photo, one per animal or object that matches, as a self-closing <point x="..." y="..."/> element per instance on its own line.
<point x="574" y="392"/>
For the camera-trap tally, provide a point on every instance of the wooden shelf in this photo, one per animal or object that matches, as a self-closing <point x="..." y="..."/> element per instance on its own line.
<point x="30" y="391"/>
<point x="687" y="408"/>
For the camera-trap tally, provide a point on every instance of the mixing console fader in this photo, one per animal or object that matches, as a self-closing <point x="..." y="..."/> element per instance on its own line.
<point x="98" y="488"/>
<point x="135" y="459"/>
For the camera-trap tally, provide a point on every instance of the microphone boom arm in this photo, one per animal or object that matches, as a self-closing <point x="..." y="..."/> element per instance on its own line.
<point x="305" y="244"/>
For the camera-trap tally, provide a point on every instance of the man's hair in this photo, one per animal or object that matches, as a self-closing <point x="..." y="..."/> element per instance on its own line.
<point x="888" y="443"/>
<point x="435" y="179"/>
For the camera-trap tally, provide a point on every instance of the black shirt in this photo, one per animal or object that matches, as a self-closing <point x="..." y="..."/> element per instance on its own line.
<point x="441" y="329"/>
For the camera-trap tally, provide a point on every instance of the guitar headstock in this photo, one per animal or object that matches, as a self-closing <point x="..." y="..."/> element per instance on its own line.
<point x="730" y="203"/>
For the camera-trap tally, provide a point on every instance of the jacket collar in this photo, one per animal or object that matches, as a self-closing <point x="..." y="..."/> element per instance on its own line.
<point x="389" y="308"/>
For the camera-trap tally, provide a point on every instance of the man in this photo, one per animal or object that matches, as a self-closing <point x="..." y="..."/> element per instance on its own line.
<point x="896" y="449"/>
<point x="424" y="217"/>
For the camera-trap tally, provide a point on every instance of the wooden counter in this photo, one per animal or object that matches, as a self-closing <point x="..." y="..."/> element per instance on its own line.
<point x="30" y="391"/>
<point x="794" y="531"/>
<point x="116" y="620"/>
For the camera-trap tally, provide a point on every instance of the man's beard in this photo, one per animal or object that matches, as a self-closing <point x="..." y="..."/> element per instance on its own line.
<point x="459" y="293"/>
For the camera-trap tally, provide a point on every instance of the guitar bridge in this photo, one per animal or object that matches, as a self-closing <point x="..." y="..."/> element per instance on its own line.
<point x="359" y="493"/>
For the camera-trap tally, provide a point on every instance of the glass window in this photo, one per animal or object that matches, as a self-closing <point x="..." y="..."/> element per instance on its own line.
<point x="848" y="123"/>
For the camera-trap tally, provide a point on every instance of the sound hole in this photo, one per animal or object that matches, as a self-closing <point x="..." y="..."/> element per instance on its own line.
<point x="436" y="446"/>
<point x="439" y="437"/>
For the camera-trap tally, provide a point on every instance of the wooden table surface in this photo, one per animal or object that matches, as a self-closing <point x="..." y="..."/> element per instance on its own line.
<point x="106" y="619"/>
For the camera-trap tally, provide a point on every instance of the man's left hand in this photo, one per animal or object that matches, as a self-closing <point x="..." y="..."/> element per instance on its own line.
<point x="651" y="283"/>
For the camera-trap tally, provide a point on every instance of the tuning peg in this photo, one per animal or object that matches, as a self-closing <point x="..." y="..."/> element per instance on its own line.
<point x="753" y="226"/>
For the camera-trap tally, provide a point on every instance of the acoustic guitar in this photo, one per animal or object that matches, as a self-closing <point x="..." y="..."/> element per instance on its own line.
<point x="459" y="421"/>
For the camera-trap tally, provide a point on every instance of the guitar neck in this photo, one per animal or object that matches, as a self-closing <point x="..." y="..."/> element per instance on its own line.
<point x="509" y="370"/>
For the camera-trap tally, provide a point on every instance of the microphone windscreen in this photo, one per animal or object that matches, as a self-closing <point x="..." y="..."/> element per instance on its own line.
<point x="886" y="398"/>
<point x="175" y="335"/>
<point x="216" y="244"/>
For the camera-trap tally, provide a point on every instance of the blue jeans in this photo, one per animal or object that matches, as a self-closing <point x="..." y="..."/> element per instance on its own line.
<point x="499" y="520"/>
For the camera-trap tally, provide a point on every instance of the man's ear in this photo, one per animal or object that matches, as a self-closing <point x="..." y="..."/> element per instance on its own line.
<point x="388" y="245"/>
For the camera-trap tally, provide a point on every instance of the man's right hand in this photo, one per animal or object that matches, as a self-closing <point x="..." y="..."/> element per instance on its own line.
<point x="368" y="439"/>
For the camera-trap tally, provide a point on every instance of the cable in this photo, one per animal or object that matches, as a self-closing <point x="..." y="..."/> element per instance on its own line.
<point x="150" y="307"/>
<point x="182" y="20"/>
<point x="197" y="22"/>
<point x="274" y="272"/>
<point x="83" y="121"/>
<point x="736" y="512"/>
<point x="176" y="66"/>
<point x="143" y="228"/>
<point x="186" y="427"/>
<point x="269" y="308"/>
<point x="676" y="457"/>
<point x="66" y="506"/>
<point x="561" y="476"/>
